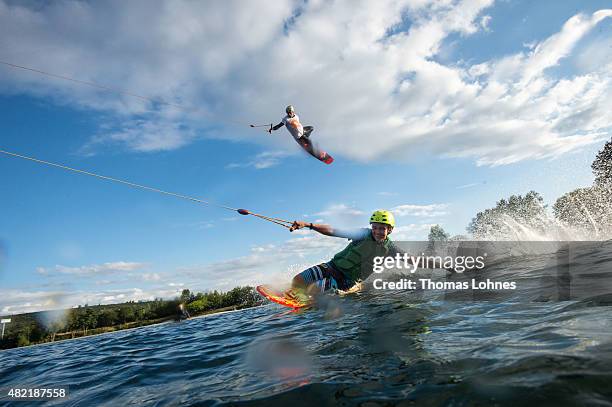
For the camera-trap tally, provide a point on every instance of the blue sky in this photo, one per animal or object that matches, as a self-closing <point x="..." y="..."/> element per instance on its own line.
<point x="435" y="110"/>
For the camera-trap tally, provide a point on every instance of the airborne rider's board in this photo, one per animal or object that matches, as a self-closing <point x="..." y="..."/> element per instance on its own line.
<point x="320" y="155"/>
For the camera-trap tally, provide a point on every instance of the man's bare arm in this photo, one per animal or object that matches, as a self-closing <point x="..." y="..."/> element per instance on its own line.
<point x="324" y="229"/>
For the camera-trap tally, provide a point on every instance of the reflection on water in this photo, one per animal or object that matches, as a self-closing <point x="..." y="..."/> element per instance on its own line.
<point x="382" y="347"/>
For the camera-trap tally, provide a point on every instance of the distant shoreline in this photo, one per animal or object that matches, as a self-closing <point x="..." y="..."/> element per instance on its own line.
<point x="205" y="315"/>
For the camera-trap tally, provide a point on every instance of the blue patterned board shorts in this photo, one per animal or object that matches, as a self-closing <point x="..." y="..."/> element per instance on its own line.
<point x="324" y="276"/>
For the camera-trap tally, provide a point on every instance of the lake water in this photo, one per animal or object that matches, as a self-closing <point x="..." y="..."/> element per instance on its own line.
<point x="373" y="348"/>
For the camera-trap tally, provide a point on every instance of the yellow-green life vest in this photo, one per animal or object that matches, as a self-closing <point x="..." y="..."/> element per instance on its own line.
<point x="356" y="260"/>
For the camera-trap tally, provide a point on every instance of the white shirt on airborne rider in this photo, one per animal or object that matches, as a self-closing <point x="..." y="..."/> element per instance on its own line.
<point x="294" y="126"/>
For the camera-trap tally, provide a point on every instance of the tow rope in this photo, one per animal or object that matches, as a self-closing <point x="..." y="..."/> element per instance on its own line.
<point x="285" y="223"/>
<point x="124" y="92"/>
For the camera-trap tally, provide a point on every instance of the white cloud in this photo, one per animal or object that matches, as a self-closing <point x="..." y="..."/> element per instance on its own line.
<point x="485" y="21"/>
<point x="263" y="160"/>
<point x="470" y="185"/>
<point x="426" y="211"/>
<point x="340" y="209"/>
<point x="93" y="269"/>
<point x="312" y="243"/>
<point x="19" y="301"/>
<point x="16" y="301"/>
<point x="143" y="136"/>
<point x="150" y="277"/>
<point x="591" y="57"/>
<point x="375" y="60"/>
<point x="412" y="232"/>
<point x="342" y="215"/>
<point x="261" y="249"/>
<point x="204" y="225"/>
<point x="346" y="216"/>
<point x="559" y="45"/>
<point x="273" y="263"/>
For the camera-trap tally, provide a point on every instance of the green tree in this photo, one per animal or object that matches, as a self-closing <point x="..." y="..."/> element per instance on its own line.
<point x="108" y="317"/>
<point x="251" y="298"/>
<point x="23" y="339"/>
<point x="588" y="209"/>
<point x="73" y="321"/>
<point x="214" y="299"/>
<point x="437" y="234"/>
<point x="126" y="314"/>
<point x="37" y="333"/>
<point x="186" y="296"/>
<point x="501" y="221"/>
<point x="198" y="306"/>
<point x="141" y="313"/>
<point x="90" y="318"/>
<point x="602" y="166"/>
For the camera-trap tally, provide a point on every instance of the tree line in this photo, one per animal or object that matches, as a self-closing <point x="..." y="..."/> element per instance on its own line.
<point x="588" y="210"/>
<point x="49" y="326"/>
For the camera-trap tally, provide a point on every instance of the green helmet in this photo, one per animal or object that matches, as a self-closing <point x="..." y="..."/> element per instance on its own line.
<point x="289" y="109"/>
<point x="382" y="216"/>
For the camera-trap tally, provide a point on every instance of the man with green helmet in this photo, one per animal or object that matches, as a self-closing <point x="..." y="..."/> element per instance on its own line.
<point x="354" y="263"/>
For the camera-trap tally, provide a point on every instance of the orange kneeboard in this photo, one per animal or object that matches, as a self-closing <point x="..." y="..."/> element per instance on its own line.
<point x="280" y="298"/>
